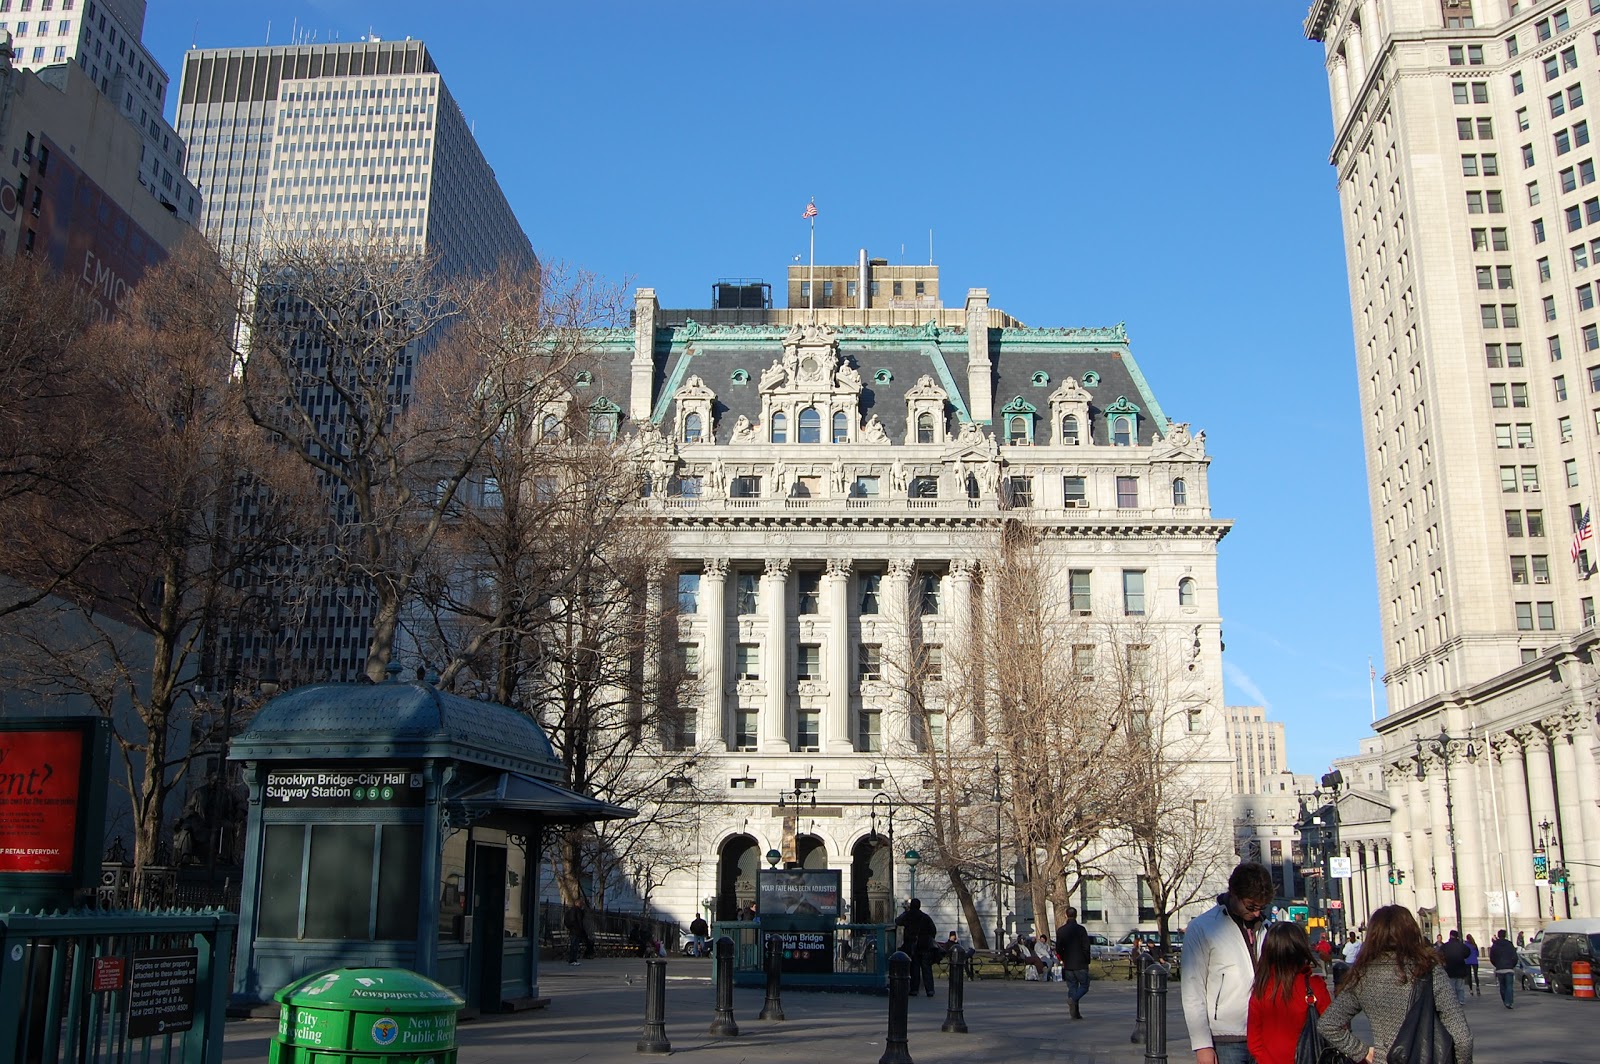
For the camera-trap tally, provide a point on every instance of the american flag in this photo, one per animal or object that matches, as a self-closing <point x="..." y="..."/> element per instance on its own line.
<point x="811" y="210"/>
<point x="1584" y="533"/>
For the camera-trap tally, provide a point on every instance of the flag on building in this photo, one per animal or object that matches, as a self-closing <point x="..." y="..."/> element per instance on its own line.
<point x="811" y="210"/>
<point x="1582" y="535"/>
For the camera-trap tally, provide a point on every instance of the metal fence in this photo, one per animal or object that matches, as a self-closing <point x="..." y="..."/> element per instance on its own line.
<point x="98" y="987"/>
<point x="861" y="954"/>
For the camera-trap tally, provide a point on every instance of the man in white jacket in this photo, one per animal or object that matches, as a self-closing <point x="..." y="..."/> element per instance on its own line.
<point x="1219" y="966"/>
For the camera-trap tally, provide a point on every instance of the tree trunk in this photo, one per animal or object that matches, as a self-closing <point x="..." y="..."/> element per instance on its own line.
<point x="969" y="909"/>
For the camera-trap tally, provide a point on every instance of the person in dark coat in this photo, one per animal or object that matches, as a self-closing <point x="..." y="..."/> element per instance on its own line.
<point x="1503" y="955"/>
<point x="1454" y="954"/>
<point x="1072" y="950"/>
<point x="576" y="920"/>
<point x="918" y="933"/>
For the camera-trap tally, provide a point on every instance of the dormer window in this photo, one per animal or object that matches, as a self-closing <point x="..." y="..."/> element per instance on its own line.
<point x="1017" y="418"/>
<point x="694" y="401"/>
<point x="550" y="427"/>
<point x="1121" y="431"/>
<point x="1122" y="419"/>
<point x="693" y="428"/>
<point x="1069" y="430"/>
<point x="924" y="428"/>
<point x="925" y="412"/>
<point x="1017" y="430"/>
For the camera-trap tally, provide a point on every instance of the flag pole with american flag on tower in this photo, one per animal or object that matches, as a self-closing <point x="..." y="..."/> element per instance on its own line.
<point x="1581" y="535"/>
<point x="811" y="284"/>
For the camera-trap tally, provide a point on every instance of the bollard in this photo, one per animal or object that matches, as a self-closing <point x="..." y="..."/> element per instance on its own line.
<point x="1138" y="962"/>
<point x="724" y="1026"/>
<point x="1155" y="1010"/>
<point x="896" y="1050"/>
<point x="773" y="1008"/>
<point x="955" y="1020"/>
<point x="654" y="1039"/>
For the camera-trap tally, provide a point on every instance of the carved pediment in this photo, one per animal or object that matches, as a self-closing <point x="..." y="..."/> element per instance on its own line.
<point x="1070" y="392"/>
<point x="1178" y="443"/>
<point x="694" y="388"/>
<point x="811" y="365"/>
<point x="926" y="388"/>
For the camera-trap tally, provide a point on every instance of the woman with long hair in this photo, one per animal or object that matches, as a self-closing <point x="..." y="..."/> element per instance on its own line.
<point x="1284" y="985"/>
<point x="1394" y="959"/>
<point x="1473" y="958"/>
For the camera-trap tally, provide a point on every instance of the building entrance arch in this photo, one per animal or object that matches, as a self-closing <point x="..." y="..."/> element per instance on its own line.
<point x="871" y="882"/>
<point x="737" y="865"/>
<point x="810" y="852"/>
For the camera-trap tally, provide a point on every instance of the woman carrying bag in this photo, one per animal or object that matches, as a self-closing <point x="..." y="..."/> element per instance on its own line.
<point x="1284" y="996"/>
<point x="1396" y="979"/>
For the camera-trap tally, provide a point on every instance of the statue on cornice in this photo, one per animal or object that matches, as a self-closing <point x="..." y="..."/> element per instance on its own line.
<point x="848" y="377"/>
<point x="774" y="375"/>
<point x="744" y="431"/>
<point x="872" y="431"/>
<point x="898" y="482"/>
<point x="716" y="481"/>
<point x="836" y="477"/>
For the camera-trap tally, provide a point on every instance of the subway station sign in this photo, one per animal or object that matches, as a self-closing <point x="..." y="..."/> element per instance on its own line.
<point x="344" y="786"/>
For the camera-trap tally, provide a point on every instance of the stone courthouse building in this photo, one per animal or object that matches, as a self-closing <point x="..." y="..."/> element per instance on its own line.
<point x="820" y="466"/>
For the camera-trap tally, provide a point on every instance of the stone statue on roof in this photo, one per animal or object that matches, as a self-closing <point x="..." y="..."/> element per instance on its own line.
<point x="872" y="431"/>
<point x="744" y="431"/>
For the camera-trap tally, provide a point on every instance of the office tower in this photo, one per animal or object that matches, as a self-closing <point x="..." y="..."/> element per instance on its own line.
<point x="834" y="485"/>
<point x="1462" y="145"/>
<point x="322" y="143"/>
<point x="1257" y="743"/>
<point x="320" y="140"/>
<point x="103" y="38"/>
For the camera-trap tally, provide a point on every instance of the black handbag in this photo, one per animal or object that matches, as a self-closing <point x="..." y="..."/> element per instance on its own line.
<point x="1312" y="1048"/>
<point x="1422" y="1038"/>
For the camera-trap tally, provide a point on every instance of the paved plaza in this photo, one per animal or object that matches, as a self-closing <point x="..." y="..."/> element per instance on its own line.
<point x="596" y="1013"/>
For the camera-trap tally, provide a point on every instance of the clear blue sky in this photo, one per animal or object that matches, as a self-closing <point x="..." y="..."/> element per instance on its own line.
<point x="1088" y="163"/>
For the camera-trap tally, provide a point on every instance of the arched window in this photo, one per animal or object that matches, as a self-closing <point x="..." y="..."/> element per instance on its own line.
<point x="924" y="428"/>
<point x="810" y="425"/>
<point x="1122" y="432"/>
<point x="1069" y="430"/>
<point x="1017" y="430"/>
<point x="780" y="427"/>
<point x="1186" y="591"/>
<point x="550" y="429"/>
<point x="691" y="429"/>
<point x="841" y="427"/>
<point x="1180" y="492"/>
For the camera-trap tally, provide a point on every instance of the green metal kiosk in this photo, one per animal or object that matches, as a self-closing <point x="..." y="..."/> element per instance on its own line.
<point x="397" y="825"/>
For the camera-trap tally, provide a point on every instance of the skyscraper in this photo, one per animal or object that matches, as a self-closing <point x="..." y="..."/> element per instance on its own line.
<point x="103" y="38"/>
<point x="1466" y="178"/>
<point x="324" y="143"/>
<point x="324" y="139"/>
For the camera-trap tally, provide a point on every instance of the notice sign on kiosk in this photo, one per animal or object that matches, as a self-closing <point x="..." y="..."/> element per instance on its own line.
<point x="800" y="908"/>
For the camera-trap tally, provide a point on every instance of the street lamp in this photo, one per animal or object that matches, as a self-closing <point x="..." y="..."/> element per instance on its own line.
<point x="773" y="857"/>
<point x="1333" y="781"/>
<point x="1554" y="873"/>
<point x="888" y="802"/>
<point x="999" y="868"/>
<point x="912" y="859"/>
<point x="1440" y="744"/>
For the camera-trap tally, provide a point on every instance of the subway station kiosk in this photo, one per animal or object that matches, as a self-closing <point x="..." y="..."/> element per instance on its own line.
<point x="396" y="825"/>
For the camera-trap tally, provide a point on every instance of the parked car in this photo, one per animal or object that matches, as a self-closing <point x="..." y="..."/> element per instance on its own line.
<point x="1150" y="939"/>
<point x="1529" y="975"/>
<point x="1100" y="946"/>
<point x="1562" y="943"/>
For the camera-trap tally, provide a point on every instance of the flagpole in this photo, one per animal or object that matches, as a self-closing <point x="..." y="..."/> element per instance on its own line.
<point x="1372" y="688"/>
<point x="811" y="285"/>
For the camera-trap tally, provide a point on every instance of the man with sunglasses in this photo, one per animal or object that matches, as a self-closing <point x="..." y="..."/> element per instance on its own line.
<point x="1219" y="966"/>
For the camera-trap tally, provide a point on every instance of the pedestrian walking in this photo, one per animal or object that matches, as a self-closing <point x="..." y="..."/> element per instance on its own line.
<point x="1394" y="961"/>
<point x="1219" y="954"/>
<point x="1503" y="955"/>
<point x="576" y="921"/>
<point x="1454" y="954"/>
<point x="1072" y="950"/>
<point x="1284" y="985"/>
<point x="1472" y="966"/>
<point x="918" y="932"/>
<point x="698" y="933"/>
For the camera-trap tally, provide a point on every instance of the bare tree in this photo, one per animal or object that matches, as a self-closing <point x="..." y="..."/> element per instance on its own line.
<point x="1173" y="817"/>
<point x="127" y="628"/>
<point x="389" y="382"/>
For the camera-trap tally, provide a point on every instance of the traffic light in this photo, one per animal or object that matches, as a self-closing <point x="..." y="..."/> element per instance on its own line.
<point x="1396" y="877"/>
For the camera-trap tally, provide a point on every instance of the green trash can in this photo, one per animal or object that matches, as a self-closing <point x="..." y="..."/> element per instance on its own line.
<point x="366" y="1016"/>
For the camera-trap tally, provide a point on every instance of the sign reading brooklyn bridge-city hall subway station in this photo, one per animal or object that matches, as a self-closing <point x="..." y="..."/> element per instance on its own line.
<point x="345" y="786"/>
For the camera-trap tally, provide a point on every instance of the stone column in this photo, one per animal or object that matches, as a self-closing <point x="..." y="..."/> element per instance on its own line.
<point x="962" y="674"/>
<point x="775" y="670"/>
<point x="895" y="604"/>
<point x="1541" y="798"/>
<point x="1400" y="828"/>
<point x="1355" y="51"/>
<point x="1469" y="838"/>
<point x="1574" y="843"/>
<point x="714" y="653"/>
<point x="1588" y="777"/>
<point x="1339" y="77"/>
<point x="1518" y="838"/>
<point x="836" y="730"/>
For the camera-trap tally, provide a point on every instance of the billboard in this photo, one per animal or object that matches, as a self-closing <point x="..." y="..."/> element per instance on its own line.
<point x="52" y="806"/>
<point x="799" y="892"/>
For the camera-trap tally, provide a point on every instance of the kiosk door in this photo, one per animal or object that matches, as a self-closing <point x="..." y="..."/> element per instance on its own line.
<point x="487" y="954"/>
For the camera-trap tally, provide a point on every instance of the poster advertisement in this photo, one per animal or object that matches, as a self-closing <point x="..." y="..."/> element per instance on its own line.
<point x="799" y="892"/>
<point x="39" y="795"/>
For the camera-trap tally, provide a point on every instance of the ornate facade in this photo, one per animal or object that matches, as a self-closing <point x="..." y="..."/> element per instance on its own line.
<point x="831" y="481"/>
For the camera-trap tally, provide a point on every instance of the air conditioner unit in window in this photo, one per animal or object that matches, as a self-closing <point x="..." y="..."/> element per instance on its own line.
<point x="1073" y="504"/>
<point x="1541" y="579"/>
<point x="1082" y="613"/>
<point x="1524" y="446"/>
<point x="1535" y="487"/>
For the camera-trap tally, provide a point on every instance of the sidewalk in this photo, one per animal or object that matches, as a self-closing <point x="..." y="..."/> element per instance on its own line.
<point x="596" y="1015"/>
